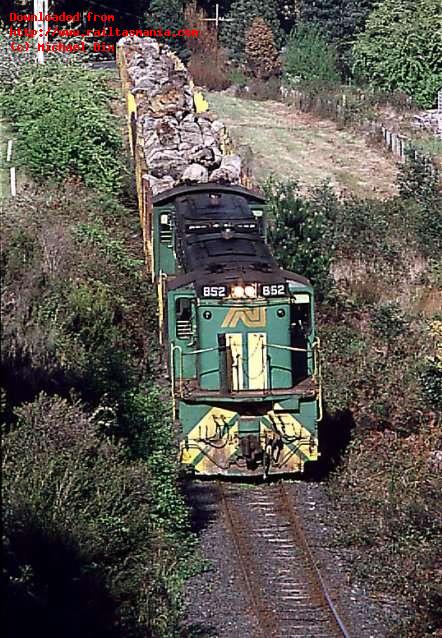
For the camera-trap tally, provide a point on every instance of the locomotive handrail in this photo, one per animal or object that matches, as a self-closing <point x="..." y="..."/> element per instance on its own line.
<point x="174" y="347"/>
<point x="274" y="345"/>
<point x="182" y="354"/>
<point x="199" y="351"/>
<point x="317" y="375"/>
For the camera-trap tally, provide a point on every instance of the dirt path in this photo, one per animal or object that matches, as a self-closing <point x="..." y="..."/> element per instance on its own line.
<point x="298" y="145"/>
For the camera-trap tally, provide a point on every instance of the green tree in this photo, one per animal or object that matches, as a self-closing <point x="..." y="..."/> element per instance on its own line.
<point x="327" y="14"/>
<point x="355" y="14"/>
<point x="340" y="21"/>
<point x="242" y="14"/>
<point x="400" y="49"/>
<point x="169" y="14"/>
<point x="301" y="234"/>
<point x="309" y="56"/>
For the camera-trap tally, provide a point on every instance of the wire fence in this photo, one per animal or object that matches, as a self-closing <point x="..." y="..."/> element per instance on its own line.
<point x="343" y="109"/>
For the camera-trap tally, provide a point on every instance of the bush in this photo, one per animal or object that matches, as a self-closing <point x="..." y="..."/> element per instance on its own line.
<point x="431" y="382"/>
<point x="387" y="499"/>
<point x="419" y="187"/>
<point x="205" y="47"/>
<point x="74" y="296"/>
<point x="169" y="14"/>
<point x="13" y="64"/>
<point x="241" y="15"/>
<point x="87" y="552"/>
<point x="300" y="232"/>
<point x="262" y="89"/>
<point x="310" y="57"/>
<point x="211" y="76"/>
<point x="236" y="76"/>
<point x="400" y="49"/>
<point x="260" y="51"/>
<point x="64" y="126"/>
<point x="388" y="321"/>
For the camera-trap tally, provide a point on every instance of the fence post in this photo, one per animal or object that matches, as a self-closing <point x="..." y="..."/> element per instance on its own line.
<point x="13" y="182"/>
<point x="439" y="113"/>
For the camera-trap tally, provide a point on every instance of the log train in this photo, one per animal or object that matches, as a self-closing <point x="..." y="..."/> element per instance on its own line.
<point x="238" y="332"/>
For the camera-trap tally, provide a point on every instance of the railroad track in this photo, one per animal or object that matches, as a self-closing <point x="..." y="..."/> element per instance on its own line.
<point x="287" y="594"/>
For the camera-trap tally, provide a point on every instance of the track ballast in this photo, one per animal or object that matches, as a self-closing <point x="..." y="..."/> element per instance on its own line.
<point x="287" y="594"/>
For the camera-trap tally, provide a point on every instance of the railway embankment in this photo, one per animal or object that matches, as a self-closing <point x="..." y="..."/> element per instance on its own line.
<point x="376" y="266"/>
<point x="95" y="534"/>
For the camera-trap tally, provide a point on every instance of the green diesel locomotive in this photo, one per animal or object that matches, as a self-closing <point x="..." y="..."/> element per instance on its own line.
<point x="239" y="333"/>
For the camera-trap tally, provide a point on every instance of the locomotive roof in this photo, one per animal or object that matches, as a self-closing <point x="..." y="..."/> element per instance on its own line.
<point x="212" y="205"/>
<point x="221" y="249"/>
<point x="213" y="253"/>
<point x="208" y="187"/>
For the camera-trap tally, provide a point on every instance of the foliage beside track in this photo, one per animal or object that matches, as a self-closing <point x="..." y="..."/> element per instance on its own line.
<point x="64" y="125"/>
<point x="377" y="268"/>
<point x="79" y="326"/>
<point x="96" y="531"/>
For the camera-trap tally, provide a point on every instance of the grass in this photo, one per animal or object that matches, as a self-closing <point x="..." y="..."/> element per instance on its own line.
<point x="295" y="145"/>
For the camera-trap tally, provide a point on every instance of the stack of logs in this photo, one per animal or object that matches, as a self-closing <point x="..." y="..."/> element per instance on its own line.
<point x="179" y="145"/>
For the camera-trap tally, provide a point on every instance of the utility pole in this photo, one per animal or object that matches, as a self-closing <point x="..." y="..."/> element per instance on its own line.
<point x="217" y="19"/>
<point x="40" y="6"/>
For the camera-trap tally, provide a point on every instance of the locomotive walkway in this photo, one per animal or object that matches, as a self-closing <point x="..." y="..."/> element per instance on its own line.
<point x="287" y="594"/>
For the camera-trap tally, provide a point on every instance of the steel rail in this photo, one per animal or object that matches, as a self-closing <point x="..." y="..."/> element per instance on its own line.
<point x="228" y="515"/>
<point x="315" y="593"/>
<point x="300" y="534"/>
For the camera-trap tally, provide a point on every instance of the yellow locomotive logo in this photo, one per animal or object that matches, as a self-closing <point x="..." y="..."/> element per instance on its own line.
<point x="251" y="317"/>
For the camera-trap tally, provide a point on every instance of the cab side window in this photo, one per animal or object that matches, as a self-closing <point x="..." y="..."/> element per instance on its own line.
<point x="300" y="327"/>
<point x="301" y="320"/>
<point x="165" y="229"/>
<point x="183" y="314"/>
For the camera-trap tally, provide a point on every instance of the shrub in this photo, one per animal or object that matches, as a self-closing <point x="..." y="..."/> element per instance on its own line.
<point x="419" y="187"/>
<point x="169" y="14"/>
<point x="310" y="57"/>
<point x="64" y="126"/>
<point x="211" y="76"/>
<point x="388" y="321"/>
<point x="87" y="551"/>
<point x="236" y="76"/>
<point x="12" y="64"/>
<point x="74" y="299"/>
<point x="431" y="381"/>
<point x="205" y="47"/>
<point x="300" y="232"/>
<point x="262" y="89"/>
<point x="241" y="15"/>
<point x="260" y="51"/>
<point x="194" y="18"/>
<point x="387" y="499"/>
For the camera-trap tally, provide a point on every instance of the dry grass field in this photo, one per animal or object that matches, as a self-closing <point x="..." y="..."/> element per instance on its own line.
<point x="297" y="145"/>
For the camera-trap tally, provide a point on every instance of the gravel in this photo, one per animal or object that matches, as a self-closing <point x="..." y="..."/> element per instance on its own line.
<point x="216" y="604"/>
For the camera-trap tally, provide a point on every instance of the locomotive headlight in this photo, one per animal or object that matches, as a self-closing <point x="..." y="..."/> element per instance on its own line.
<point x="250" y="291"/>
<point x="238" y="292"/>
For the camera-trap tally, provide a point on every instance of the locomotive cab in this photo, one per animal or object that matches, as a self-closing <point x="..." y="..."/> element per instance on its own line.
<point x="243" y="354"/>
